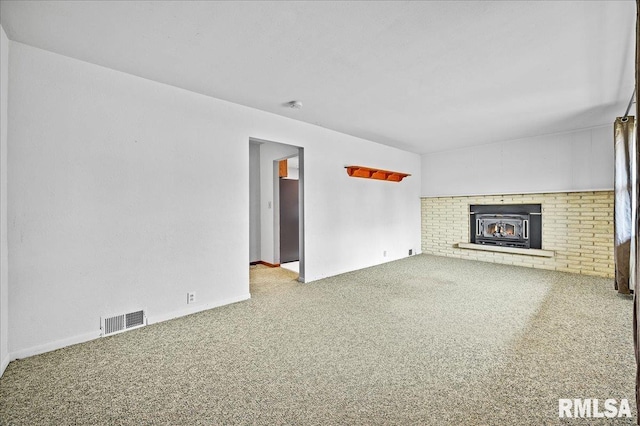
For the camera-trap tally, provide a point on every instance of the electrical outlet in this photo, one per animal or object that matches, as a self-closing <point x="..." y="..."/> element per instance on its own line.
<point x="191" y="297"/>
<point x="410" y="252"/>
<point x="384" y="253"/>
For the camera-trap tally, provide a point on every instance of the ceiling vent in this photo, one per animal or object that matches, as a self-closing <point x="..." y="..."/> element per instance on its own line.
<point x="122" y="322"/>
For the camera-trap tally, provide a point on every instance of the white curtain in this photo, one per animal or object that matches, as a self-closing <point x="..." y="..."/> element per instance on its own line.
<point x="624" y="235"/>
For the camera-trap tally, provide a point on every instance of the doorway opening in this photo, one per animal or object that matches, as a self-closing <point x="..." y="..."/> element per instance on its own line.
<point x="276" y="203"/>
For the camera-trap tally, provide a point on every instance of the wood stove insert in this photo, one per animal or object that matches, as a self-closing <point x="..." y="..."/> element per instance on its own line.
<point x="507" y="225"/>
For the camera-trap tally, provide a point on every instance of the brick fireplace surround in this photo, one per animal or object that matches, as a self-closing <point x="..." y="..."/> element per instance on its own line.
<point x="576" y="226"/>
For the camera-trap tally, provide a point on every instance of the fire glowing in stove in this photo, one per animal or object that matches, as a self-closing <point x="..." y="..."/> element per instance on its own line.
<point x="500" y="229"/>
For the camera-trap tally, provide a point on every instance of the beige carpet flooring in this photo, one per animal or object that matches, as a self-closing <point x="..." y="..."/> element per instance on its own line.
<point x="425" y="341"/>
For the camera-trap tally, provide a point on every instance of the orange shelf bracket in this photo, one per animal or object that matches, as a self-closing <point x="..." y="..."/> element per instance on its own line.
<point x="371" y="173"/>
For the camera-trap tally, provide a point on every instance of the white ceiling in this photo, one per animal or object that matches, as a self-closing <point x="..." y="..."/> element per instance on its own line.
<point x="421" y="76"/>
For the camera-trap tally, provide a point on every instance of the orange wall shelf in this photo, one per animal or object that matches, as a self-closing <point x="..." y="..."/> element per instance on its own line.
<point x="371" y="173"/>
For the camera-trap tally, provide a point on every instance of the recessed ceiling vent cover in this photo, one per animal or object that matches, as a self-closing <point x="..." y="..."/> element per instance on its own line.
<point x="123" y="322"/>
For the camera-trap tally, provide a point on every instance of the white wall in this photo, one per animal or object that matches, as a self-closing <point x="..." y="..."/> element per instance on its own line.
<point x="128" y="193"/>
<point x="575" y="161"/>
<point x="125" y="194"/>
<point x="293" y="172"/>
<point x="254" y="202"/>
<point x="4" y="276"/>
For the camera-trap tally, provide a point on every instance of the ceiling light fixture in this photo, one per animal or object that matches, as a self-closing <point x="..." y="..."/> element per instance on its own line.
<point x="294" y="104"/>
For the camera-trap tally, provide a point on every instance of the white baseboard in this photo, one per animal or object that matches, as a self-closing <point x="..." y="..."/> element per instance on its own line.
<point x="152" y="319"/>
<point x="52" y="346"/>
<point x="4" y="364"/>
<point x="58" y="344"/>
